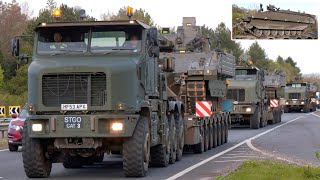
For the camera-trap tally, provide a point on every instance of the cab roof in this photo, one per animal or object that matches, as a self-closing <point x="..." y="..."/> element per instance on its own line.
<point x="93" y="23"/>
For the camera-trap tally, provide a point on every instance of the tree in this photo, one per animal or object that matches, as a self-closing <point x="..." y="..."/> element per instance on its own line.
<point x="139" y="14"/>
<point x="280" y="60"/>
<point x="258" y="55"/>
<point x="18" y="85"/>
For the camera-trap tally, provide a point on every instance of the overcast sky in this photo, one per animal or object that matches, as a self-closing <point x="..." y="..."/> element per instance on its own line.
<point x="169" y="13"/>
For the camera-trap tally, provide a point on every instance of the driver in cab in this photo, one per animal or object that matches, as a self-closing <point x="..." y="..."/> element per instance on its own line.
<point x="134" y="42"/>
<point x="57" y="37"/>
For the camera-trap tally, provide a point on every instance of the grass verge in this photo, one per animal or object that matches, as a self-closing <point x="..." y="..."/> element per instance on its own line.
<point x="268" y="169"/>
<point x="3" y="143"/>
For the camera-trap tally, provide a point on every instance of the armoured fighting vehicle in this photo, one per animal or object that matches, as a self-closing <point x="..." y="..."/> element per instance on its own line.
<point x="94" y="93"/>
<point x="300" y="96"/>
<point x="274" y="82"/>
<point x="248" y="93"/>
<point x="198" y="79"/>
<point x="278" y="23"/>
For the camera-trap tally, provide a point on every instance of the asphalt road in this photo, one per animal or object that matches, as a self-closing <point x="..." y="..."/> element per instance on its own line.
<point x="295" y="140"/>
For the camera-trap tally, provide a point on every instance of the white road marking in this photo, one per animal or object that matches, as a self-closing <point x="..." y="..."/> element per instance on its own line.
<point x="227" y="150"/>
<point x="239" y="157"/>
<point x="315" y="115"/>
<point x="4" y="150"/>
<point x="238" y="160"/>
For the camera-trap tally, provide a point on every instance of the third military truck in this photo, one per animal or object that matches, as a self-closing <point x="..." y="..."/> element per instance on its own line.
<point x="248" y="94"/>
<point x="299" y="96"/>
<point x="91" y="94"/>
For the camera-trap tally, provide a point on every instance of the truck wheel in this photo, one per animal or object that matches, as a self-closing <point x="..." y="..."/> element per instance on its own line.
<point x="180" y="134"/>
<point x="215" y="135"/>
<point x="35" y="162"/>
<point x="160" y="154"/>
<point x="136" y="150"/>
<point x="210" y="136"/>
<point x="206" y="137"/>
<point x="70" y="161"/>
<point x="219" y="133"/>
<point x="226" y="131"/>
<point x="173" y="136"/>
<point x="13" y="148"/>
<point x="254" y="119"/>
<point x="279" y="116"/>
<point x="274" y="116"/>
<point x="223" y="131"/>
<point x="199" y="148"/>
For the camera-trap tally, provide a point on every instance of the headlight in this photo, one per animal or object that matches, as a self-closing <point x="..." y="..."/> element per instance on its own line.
<point x="287" y="102"/>
<point x="117" y="126"/>
<point x="248" y="109"/>
<point x="302" y="102"/>
<point x="37" y="127"/>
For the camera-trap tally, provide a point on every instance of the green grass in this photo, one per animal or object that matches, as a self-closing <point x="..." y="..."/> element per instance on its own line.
<point x="265" y="170"/>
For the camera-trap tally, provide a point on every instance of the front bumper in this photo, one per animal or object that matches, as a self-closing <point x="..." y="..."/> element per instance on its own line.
<point x="98" y="126"/>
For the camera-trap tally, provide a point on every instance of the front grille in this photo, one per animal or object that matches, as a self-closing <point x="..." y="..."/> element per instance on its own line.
<point x="294" y="96"/>
<point x="74" y="88"/>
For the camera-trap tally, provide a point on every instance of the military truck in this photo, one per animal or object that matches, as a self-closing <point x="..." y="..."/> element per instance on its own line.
<point x="274" y="82"/>
<point x="248" y="93"/>
<point x="198" y="79"/>
<point x="90" y="94"/>
<point x="299" y="96"/>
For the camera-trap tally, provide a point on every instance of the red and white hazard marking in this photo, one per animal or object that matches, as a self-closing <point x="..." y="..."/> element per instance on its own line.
<point x="313" y="99"/>
<point x="274" y="102"/>
<point x="203" y="108"/>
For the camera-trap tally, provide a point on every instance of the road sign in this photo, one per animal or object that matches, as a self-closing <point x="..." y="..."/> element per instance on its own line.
<point x="203" y="108"/>
<point x="313" y="100"/>
<point x="274" y="103"/>
<point x="2" y="111"/>
<point x="14" y="110"/>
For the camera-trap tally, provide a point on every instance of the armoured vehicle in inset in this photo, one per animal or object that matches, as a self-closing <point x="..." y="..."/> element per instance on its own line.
<point x="199" y="79"/>
<point x="299" y="96"/>
<point x="248" y="94"/>
<point x="274" y="82"/>
<point x="278" y="23"/>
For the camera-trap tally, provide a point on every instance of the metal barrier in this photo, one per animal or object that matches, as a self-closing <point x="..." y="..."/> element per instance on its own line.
<point x="3" y="129"/>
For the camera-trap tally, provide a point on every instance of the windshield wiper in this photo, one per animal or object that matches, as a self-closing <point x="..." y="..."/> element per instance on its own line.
<point x="65" y="51"/>
<point x="117" y="50"/>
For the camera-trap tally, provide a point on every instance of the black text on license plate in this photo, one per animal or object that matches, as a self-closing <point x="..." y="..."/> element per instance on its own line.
<point x="73" y="122"/>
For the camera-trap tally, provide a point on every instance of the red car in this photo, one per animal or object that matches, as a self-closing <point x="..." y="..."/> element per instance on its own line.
<point x="15" y="130"/>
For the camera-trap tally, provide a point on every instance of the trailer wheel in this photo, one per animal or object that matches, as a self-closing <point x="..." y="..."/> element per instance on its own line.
<point x="210" y="136"/>
<point x="180" y="134"/>
<point x="215" y="134"/>
<point x="173" y="136"/>
<point x="226" y="130"/>
<point x="254" y="119"/>
<point x="199" y="148"/>
<point x="35" y="162"/>
<point x="223" y="131"/>
<point x="136" y="150"/>
<point x="160" y="154"/>
<point x="219" y="132"/>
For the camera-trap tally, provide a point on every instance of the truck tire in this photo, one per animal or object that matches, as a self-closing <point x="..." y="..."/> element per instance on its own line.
<point x="206" y="137"/>
<point x="76" y="161"/>
<point x="279" y="116"/>
<point x="160" y="154"/>
<point x="219" y="133"/>
<point x="254" y="119"/>
<point x="180" y="134"/>
<point x="136" y="150"/>
<point x="223" y="131"/>
<point x="210" y="136"/>
<point x="215" y="135"/>
<point x="199" y="148"/>
<point x="173" y="136"/>
<point x="35" y="163"/>
<point x="226" y="130"/>
<point x="274" y="116"/>
<point x="13" y="148"/>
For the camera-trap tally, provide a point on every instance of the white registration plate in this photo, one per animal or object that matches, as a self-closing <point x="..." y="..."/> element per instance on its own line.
<point x="74" y="107"/>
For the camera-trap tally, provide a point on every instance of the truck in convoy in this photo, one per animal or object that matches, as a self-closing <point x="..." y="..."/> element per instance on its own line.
<point x="299" y="96"/>
<point x="248" y="94"/>
<point x="274" y="82"/>
<point x="198" y="78"/>
<point x="99" y="91"/>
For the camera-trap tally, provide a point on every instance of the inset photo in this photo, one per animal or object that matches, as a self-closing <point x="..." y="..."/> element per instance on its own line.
<point x="274" y="21"/>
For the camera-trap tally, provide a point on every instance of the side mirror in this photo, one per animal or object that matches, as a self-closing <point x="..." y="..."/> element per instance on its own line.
<point x="13" y="116"/>
<point x="15" y="47"/>
<point x="153" y="41"/>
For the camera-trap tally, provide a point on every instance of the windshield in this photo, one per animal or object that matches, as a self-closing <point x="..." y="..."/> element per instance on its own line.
<point x="106" y="39"/>
<point x="62" y="39"/>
